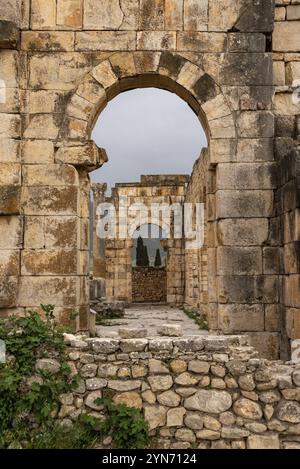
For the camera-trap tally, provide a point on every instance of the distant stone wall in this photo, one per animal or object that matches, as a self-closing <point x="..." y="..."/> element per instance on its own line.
<point x="204" y="392"/>
<point x="149" y="285"/>
<point x="196" y="268"/>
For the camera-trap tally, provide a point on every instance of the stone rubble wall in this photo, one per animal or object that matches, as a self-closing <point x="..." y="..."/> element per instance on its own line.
<point x="203" y="392"/>
<point x="196" y="262"/>
<point x="286" y="56"/>
<point x="149" y="285"/>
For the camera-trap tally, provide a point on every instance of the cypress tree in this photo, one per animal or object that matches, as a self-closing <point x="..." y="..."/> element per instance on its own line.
<point x="157" y="262"/>
<point x="145" y="257"/>
<point x="139" y="252"/>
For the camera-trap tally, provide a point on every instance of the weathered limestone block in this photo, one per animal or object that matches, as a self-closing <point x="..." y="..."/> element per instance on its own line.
<point x="43" y="14"/>
<point x="69" y="13"/>
<point x="246" y="176"/>
<point x="8" y="291"/>
<point x="240" y="68"/>
<point x="239" y="260"/>
<point x="263" y="442"/>
<point x="9" y="262"/>
<point x="292" y="72"/>
<point x="129" y="385"/>
<point x="105" y="40"/>
<point x="10" y="200"/>
<point x="286" y="36"/>
<point x="195" y="15"/>
<point x="37" y="152"/>
<point x="155" y="415"/>
<point x="199" y="367"/>
<point x="11" y="232"/>
<point x="10" y="174"/>
<point x="249" y="289"/>
<point x="130" y="399"/>
<point x="35" y="291"/>
<point x="103" y="14"/>
<point x="209" y="401"/>
<point x="50" y="175"/>
<point x="43" y="200"/>
<point x="10" y="126"/>
<point x="190" y="344"/>
<point x="156" y="40"/>
<point x="10" y="150"/>
<point x="185" y="434"/>
<point x="244" y="204"/>
<point x="239" y="232"/>
<point x="41" y="126"/>
<point x="9" y="35"/>
<point x="247" y="409"/>
<point x="174" y="15"/>
<point x="288" y="411"/>
<point x="48" y="364"/>
<point x="178" y="366"/>
<point x="50" y="232"/>
<point x="49" y="262"/>
<point x="133" y="345"/>
<point x="88" y="155"/>
<point x="47" y="41"/>
<point x="201" y="42"/>
<point x="157" y="366"/>
<point x="175" y="417"/>
<point x="57" y="71"/>
<point x="171" y="330"/>
<point x="160" y="383"/>
<point x="151" y="15"/>
<point x="169" y="399"/>
<point x="10" y="10"/>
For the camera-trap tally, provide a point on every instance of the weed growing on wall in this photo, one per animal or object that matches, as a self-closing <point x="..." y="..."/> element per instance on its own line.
<point x="29" y="398"/>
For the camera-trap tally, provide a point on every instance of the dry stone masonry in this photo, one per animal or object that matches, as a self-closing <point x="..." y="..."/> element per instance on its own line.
<point x="61" y="61"/>
<point x="203" y="392"/>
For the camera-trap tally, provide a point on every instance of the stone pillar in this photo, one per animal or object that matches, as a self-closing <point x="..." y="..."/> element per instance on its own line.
<point x="11" y="219"/>
<point x="98" y="267"/>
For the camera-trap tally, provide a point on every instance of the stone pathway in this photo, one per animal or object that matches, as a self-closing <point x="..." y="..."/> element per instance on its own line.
<point x="152" y="318"/>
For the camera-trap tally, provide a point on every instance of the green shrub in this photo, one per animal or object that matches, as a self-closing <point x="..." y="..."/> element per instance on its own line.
<point x="126" y="425"/>
<point x="28" y="412"/>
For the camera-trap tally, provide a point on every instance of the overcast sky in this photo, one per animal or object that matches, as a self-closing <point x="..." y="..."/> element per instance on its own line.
<point x="147" y="131"/>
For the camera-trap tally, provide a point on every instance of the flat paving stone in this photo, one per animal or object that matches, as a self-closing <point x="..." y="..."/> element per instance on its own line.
<point x="151" y="318"/>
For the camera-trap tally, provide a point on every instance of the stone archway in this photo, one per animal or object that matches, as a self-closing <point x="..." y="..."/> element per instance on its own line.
<point x="239" y="199"/>
<point x="169" y="71"/>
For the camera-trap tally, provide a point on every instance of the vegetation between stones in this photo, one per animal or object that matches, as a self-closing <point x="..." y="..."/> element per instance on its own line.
<point x="30" y="396"/>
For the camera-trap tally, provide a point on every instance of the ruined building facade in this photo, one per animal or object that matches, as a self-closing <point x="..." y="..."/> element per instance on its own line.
<point x="236" y="63"/>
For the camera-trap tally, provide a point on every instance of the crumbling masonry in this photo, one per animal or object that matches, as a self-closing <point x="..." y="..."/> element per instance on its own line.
<point x="61" y="61"/>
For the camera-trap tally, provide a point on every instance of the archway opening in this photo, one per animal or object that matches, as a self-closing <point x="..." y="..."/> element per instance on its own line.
<point x="154" y="141"/>
<point x="149" y="260"/>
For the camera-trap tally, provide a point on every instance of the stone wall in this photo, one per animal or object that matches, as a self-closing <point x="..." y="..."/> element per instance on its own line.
<point x="286" y="55"/>
<point x="152" y="189"/>
<point x="196" y="262"/>
<point x="149" y="285"/>
<point x="203" y="392"/>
